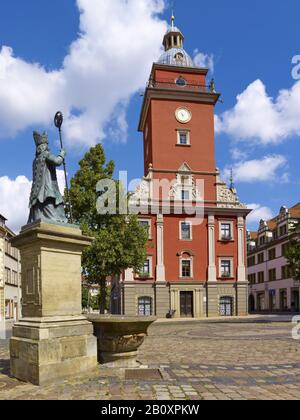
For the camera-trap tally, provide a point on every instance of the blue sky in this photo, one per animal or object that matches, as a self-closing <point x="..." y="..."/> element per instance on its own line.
<point x="249" y="41"/>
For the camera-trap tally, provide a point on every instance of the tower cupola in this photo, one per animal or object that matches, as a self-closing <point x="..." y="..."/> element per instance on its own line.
<point x="174" y="54"/>
<point x="174" y="37"/>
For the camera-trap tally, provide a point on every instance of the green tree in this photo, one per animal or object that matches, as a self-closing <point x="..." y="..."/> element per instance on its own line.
<point x="85" y="296"/>
<point x="119" y="239"/>
<point x="293" y="252"/>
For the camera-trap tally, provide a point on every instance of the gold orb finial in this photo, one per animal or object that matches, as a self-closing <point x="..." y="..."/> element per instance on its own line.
<point x="172" y="19"/>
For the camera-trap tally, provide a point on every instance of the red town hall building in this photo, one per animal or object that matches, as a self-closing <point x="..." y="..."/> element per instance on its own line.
<point x="197" y="231"/>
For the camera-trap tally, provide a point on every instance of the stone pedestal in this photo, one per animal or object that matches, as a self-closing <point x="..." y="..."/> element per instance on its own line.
<point x="53" y="340"/>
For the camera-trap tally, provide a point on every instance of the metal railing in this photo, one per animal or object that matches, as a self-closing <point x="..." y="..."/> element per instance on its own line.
<point x="174" y="85"/>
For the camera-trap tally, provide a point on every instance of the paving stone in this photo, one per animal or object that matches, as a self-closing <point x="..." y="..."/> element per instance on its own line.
<point x="270" y="370"/>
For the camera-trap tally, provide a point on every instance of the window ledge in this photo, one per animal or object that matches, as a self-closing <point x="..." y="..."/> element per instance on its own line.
<point x="183" y="145"/>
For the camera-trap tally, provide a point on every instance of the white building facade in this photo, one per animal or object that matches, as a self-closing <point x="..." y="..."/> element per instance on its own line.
<point x="271" y="287"/>
<point x="10" y="283"/>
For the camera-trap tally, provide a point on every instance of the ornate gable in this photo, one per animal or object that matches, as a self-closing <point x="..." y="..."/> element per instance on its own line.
<point x="227" y="197"/>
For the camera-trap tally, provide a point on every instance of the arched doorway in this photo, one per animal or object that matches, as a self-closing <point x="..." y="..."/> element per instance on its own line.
<point x="226" y="306"/>
<point x="251" y="303"/>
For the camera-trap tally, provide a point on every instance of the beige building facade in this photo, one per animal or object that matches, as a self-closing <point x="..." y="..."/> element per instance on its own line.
<point x="271" y="287"/>
<point x="10" y="283"/>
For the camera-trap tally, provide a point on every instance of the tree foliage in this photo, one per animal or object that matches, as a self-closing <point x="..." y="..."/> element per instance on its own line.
<point x="119" y="239"/>
<point x="293" y="252"/>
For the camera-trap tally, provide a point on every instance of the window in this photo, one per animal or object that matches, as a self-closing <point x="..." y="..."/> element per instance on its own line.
<point x="15" y="278"/>
<point x="185" y="195"/>
<point x="146" y="271"/>
<point x="261" y="277"/>
<point x="226" y="269"/>
<point x="147" y="225"/>
<point x="283" y="230"/>
<point x="7" y="275"/>
<point x="251" y="261"/>
<point x="262" y="240"/>
<point x="186" y="268"/>
<point x="179" y="56"/>
<point x="272" y="254"/>
<point x="226" y="231"/>
<point x="183" y="138"/>
<point x="185" y="231"/>
<point x="181" y="81"/>
<point x="272" y="274"/>
<point x="145" y="306"/>
<point x="252" y="278"/>
<point x="261" y="258"/>
<point x="226" y="306"/>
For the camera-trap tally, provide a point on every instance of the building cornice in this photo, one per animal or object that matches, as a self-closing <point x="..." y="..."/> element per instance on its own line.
<point x="176" y="171"/>
<point x="154" y="208"/>
<point x="181" y="69"/>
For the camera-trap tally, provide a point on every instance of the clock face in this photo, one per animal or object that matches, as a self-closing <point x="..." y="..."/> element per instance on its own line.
<point x="183" y="115"/>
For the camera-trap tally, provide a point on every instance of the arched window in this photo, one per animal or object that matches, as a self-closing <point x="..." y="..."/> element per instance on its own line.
<point x="145" y="306"/>
<point x="186" y="265"/>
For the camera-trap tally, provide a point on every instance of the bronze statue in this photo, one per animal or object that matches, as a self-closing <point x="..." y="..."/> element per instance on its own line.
<point x="46" y="202"/>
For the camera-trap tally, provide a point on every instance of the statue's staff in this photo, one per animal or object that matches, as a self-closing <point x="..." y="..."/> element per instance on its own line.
<point x="58" y="121"/>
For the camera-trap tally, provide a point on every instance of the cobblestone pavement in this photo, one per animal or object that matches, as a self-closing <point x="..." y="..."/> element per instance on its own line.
<point x="198" y="361"/>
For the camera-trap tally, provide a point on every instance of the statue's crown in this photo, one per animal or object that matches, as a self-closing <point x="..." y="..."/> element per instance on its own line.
<point x="40" y="138"/>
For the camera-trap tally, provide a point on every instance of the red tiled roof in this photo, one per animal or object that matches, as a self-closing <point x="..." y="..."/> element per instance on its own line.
<point x="253" y="235"/>
<point x="295" y="211"/>
<point x="272" y="224"/>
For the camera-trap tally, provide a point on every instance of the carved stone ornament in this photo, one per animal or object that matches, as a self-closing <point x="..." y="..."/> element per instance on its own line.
<point x="142" y="194"/>
<point x="227" y="197"/>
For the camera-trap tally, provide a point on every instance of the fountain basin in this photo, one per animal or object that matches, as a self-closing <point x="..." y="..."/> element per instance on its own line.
<point x="119" y="338"/>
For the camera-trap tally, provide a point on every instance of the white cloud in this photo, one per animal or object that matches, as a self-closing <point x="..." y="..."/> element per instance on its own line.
<point x="204" y="60"/>
<point x="261" y="118"/>
<point x="14" y="201"/>
<point x="259" y="213"/>
<point x="264" y="170"/>
<point x="238" y="154"/>
<point x="110" y="61"/>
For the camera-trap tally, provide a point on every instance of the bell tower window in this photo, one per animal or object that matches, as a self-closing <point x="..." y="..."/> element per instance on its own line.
<point x="183" y="138"/>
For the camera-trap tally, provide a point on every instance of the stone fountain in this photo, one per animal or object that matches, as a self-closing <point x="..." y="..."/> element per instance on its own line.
<point x="119" y="338"/>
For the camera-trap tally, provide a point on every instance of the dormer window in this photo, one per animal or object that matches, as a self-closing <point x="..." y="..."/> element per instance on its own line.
<point x="283" y="230"/>
<point x="262" y="240"/>
<point x="179" y="56"/>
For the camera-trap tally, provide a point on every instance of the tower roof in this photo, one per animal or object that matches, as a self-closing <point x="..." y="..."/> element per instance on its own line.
<point x="174" y="54"/>
<point x="176" y="57"/>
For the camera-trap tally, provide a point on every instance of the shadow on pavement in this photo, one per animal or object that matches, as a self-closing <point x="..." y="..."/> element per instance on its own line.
<point x="5" y="367"/>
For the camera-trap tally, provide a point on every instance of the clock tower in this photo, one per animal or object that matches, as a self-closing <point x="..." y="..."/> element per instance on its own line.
<point x="196" y="264"/>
